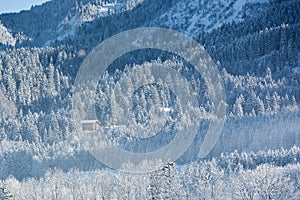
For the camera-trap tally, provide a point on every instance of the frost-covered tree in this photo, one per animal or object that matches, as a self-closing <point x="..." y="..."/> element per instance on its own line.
<point x="238" y="106"/>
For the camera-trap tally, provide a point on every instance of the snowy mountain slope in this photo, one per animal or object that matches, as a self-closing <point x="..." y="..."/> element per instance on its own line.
<point x="88" y="13"/>
<point x="191" y="17"/>
<point x="60" y="19"/>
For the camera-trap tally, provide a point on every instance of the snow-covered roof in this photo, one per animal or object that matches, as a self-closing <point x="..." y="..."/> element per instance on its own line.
<point x="164" y="109"/>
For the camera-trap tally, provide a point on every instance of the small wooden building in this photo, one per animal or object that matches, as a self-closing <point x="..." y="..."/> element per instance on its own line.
<point x="90" y="125"/>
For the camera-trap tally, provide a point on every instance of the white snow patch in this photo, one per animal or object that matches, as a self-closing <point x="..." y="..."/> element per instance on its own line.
<point x="191" y="17"/>
<point x="6" y="37"/>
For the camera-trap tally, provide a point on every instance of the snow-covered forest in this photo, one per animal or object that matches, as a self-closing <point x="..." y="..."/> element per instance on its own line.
<point x="255" y="45"/>
<point x="231" y="176"/>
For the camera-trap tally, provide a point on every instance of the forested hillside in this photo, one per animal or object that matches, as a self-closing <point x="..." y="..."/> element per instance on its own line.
<point x="256" y="46"/>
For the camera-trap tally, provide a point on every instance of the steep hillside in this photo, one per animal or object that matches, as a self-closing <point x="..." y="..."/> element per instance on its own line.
<point x="60" y="19"/>
<point x="254" y="43"/>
